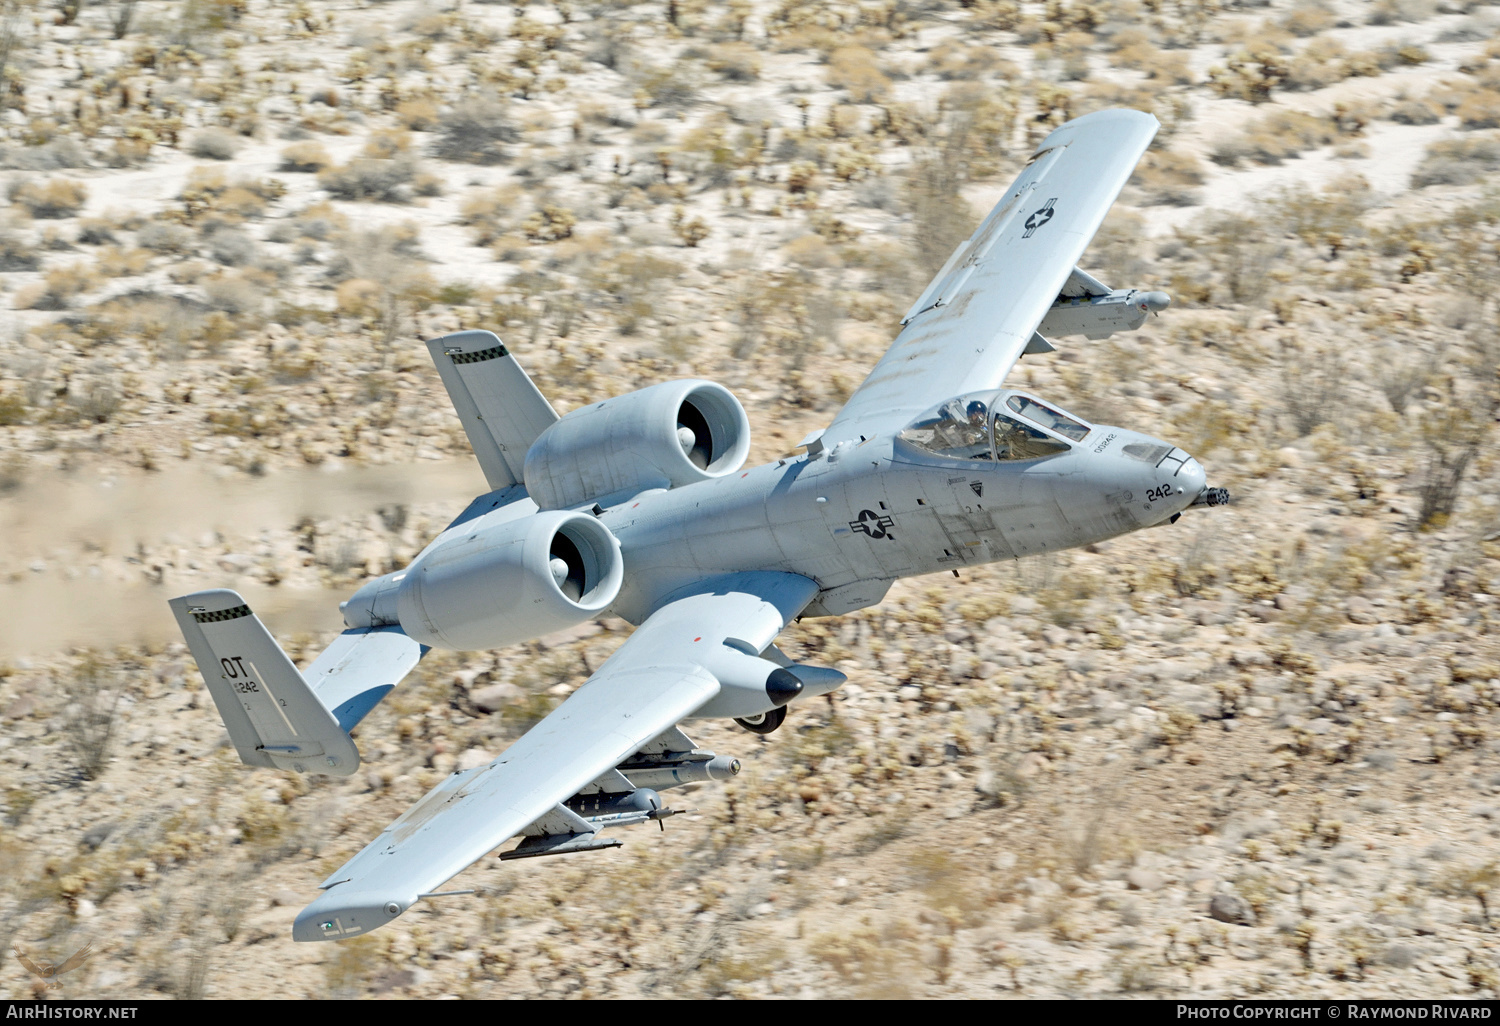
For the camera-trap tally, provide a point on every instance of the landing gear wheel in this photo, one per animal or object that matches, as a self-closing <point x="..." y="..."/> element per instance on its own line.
<point x="765" y="723"/>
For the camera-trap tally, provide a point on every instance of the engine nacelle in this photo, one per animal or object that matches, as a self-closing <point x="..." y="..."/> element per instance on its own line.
<point x="505" y="583"/>
<point x="666" y="436"/>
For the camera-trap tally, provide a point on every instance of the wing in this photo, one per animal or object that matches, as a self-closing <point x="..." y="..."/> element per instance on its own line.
<point x="31" y="966"/>
<point x="655" y="679"/>
<point x="976" y="318"/>
<point x="75" y="960"/>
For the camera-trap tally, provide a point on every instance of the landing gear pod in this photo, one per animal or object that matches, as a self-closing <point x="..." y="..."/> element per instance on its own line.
<point x="511" y="581"/>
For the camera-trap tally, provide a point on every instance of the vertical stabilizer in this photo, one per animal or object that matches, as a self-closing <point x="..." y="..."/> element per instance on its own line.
<point x="276" y="716"/>
<point x="501" y="410"/>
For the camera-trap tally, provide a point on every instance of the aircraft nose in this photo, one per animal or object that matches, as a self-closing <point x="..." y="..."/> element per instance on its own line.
<point x="1179" y="480"/>
<point x="1192" y="479"/>
<point x="1171" y="477"/>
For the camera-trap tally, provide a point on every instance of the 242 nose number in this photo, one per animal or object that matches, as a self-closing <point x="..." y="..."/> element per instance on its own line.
<point x="1159" y="492"/>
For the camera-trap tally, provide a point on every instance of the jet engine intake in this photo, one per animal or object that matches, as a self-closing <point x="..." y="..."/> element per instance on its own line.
<point x="510" y="581"/>
<point x="666" y="436"/>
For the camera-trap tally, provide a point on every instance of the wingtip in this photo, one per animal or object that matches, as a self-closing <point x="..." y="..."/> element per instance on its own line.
<point x="340" y="915"/>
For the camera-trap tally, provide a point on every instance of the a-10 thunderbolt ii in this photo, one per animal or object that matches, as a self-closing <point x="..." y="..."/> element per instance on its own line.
<point x="638" y="506"/>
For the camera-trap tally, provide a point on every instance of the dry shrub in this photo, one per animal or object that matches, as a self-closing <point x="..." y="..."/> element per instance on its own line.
<point x="632" y="281"/>
<point x="168" y="322"/>
<point x="672" y="88"/>
<point x="549" y="224"/>
<point x="488" y="212"/>
<point x="1210" y="424"/>
<point x="58" y="288"/>
<point x="208" y="190"/>
<point x="232" y="247"/>
<point x="1320" y="63"/>
<point x="389" y="259"/>
<point x="90" y="692"/>
<point x="1453" y="436"/>
<point x="1315" y="383"/>
<point x="1480" y="109"/>
<point x="940" y="217"/>
<point x="214" y="144"/>
<point x="475" y="131"/>
<point x="1169" y="178"/>
<point x="1389" y="12"/>
<point x="689" y="230"/>
<point x="165" y="237"/>
<point x="114" y="262"/>
<point x="735" y="62"/>
<point x="1251" y="74"/>
<point x="354" y="962"/>
<point x="1278" y="136"/>
<point x="306" y="157"/>
<point x="1400" y="372"/>
<point x="811" y="251"/>
<point x="878" y="960"/>
<point x="318" y="222"/>
<point x="52" y="155"/>
<point x="56" y="197"/>
<point x="16" y="254"/>
<point x="95" y="231"/>
<point x="1240" y="254"/>
<point x="237" y="294"/>
<point x="952" y="60"/>
<point x="1458" y="161"/>
<point x="387" y="143"/>
<point x="854" y="68"/>
<point x="1416" y="112"/>
<point x="1308" y="19"/>
<point x="1331" y="219"/>
<point x="420" y="115"/>
<point x="368" y="178"/>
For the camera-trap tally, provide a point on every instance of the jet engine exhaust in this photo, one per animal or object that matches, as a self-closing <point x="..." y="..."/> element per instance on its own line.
<point x="694" y="435"/>
<point x="566" y="564"/>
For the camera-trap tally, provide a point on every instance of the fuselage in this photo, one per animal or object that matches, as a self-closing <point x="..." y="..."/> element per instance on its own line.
<point x="863" y="514"/>
<point x="991" y="476"/>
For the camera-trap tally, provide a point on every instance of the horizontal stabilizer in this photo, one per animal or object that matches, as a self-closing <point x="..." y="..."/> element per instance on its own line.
<point x="501" y="410"/>
<point x="273" y="717"/>
<point x="359" y="669"/>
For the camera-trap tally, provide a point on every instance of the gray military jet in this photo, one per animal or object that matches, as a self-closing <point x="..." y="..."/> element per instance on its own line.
<point x="638" y="506"/>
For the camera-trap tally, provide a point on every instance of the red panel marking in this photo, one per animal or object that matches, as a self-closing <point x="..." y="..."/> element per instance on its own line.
<point x="699" y="638"/>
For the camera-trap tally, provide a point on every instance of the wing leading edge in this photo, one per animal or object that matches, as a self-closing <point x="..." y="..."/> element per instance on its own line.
<point x="658" y="677"/>
<point x="976" y="318"/>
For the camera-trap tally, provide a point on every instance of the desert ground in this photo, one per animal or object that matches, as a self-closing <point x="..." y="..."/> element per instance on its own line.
<point x="1253" y="753"/>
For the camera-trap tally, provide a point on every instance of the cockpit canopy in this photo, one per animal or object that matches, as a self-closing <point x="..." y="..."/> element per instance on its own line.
<point x="999" y="425"/>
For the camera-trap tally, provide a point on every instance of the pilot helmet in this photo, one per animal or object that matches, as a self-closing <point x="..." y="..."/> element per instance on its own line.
<point x="977" y="411"/>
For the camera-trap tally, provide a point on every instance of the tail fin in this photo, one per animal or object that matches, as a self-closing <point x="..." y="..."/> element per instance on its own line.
<point x="502" y="411"/>
<point x="275" y="716"/>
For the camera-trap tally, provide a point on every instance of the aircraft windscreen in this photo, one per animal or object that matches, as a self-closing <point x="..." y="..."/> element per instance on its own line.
<point x="1017" y="441"/>
<point x="1047" y="417"/>
<point x="957" y="430"/>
